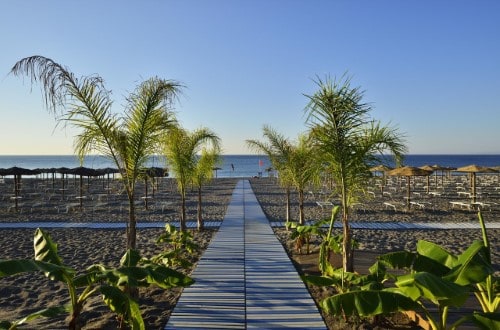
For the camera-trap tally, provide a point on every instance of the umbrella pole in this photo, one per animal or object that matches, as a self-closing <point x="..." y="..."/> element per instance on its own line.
<point x="408" y="194"/>
<point x="473" y="187"/>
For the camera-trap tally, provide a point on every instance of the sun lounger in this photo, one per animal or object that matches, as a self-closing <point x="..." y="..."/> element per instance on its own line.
<point x="71" y="207"/>
<point x="323" y="204"/>
<point x="390" y="205"/>
<point x="420" y="204"/>
<point x="166" y="205"/>
<point x="461" y="205"/>
<point x="481" y="205"/>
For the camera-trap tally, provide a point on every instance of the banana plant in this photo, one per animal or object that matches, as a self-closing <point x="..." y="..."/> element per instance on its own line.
<point x="302" y="234"/>
<point x="134" y="271"/>
<point x="433" y="275"/>
<point x="488" y="291"/>
<point x="177" y="242"/>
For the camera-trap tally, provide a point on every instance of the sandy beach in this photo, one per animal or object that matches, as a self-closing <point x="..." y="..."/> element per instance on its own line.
<point x="80" y="248"/>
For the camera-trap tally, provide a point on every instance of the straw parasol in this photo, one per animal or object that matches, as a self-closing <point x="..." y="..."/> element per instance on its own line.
<point x="382" y="169"/>
<point x="473" y="169"/>
<point x="430" y="169"/>
<point x="83" y="171"/>
<point x="408" y="171"/>
<point x="17" y="172"/>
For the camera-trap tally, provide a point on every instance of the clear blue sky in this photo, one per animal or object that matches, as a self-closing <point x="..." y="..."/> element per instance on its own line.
<point x="431" y="68"/>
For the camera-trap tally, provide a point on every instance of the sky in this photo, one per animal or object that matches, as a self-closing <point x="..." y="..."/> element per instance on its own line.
<point x="429" y="68"/>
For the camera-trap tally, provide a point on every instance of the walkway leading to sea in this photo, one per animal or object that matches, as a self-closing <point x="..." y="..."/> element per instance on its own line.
<point x="245" y="280"/>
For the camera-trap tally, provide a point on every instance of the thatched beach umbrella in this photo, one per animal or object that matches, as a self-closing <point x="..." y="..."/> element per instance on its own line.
<point x="83" y="171"/>
<point x="382" y="169"/>
<point x="152" y="172"/>
<point x="107" y="171"/>
<point x="408" y="171"/>
<point x="473" y="169"/>
<point x="216" y="169"/>
<point x="17" y="172"/>
<point x="443" y="169"/>
<point x="63" y="171"/>
<point x="430" y="169"/>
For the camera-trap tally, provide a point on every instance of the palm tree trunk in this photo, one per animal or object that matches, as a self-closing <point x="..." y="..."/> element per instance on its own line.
<point x="287" y="204"/>
<point x="301" y="207"/>
<point x="347" y="256"/>
<point x="200" y="220"/>
<point x="347" y="253"/>
<point x="132" y="225"/>
<point x="183" y="211"/>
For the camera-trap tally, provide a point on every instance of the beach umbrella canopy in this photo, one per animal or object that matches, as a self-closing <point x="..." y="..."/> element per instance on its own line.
<point x="408" y="171"/>
<point x="430" y="169"/>
<point x="216" y="169"/>
<point x="17" y="172"/>
<point x="152" y="172"/>
<point x="83" y="171"/>
<point x="380" y="168"/>
<point x="383" y="169"/>
<point x="473" y="169"/>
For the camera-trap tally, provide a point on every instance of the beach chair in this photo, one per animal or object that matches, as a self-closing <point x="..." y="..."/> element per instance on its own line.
<point x="461" y="205"/>
<point x="390" y="205"/>
<point x="72" y="207"/>
<point x="323" y="204"/>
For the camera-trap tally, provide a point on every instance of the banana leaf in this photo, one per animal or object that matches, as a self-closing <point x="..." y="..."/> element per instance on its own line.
<point x="368" y="303"/>
<point x="472" y="266"/>
<point x="486" y="321"/>
<point x="413" y="261"/>
<point x="436" y="253"/>
<point x="18" y="266"/>
<point x="433" y="288"/>
<point x="45" y="249"/>
<point x="48" y="312"/>
<point x="130" y="258"/>
<point x="121" y="303"/>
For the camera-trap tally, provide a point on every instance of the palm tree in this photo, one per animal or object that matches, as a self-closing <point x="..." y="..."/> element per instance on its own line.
<point x="296" y="163"/>
<point x="181" y="149"/>
<point x="302" y="169"/>
<point x="278" y="149"/>
<point x="203" y="173"/>
<point x="129" y="140"/>
<point x="349" y="142"/>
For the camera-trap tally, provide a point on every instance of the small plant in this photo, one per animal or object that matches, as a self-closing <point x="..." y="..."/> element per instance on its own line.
<point x="111" y="283"/>
<point x="177" y="244"/>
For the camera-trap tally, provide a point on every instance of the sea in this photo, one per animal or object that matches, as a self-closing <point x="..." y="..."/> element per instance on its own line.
<point x="232" y="165"/>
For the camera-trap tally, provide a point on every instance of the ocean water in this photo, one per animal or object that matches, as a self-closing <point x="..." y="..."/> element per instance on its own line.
<point x="235" y="165"/>
<point x="230" y="166"/>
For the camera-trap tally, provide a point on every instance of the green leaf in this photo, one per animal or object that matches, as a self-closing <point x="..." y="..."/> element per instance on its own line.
<point x="166" y="278"/>
<point x="486" y="321"/>
<point x="413" y="261"/>
<point x="434" y="288"/>
<point x="131" y="258"/>
<point x="319" y="280"/>
<point x="472" y="266"/>
<point x="398" y="259"/>
<point x="48" y="312"/>
<point x="122" y="304"/>
<point x="436" y="253"/>
<point x="367" y="303"/>
<point x="45" y="249"/>
<point x="54" y="272"/>
<point x="13" y="267"/>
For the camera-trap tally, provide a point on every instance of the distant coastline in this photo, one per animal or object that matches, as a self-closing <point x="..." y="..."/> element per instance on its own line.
<point x="237" y="165"/>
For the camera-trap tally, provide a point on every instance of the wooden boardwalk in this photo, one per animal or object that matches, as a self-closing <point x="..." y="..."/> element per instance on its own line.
<point x="245" y="279"/>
